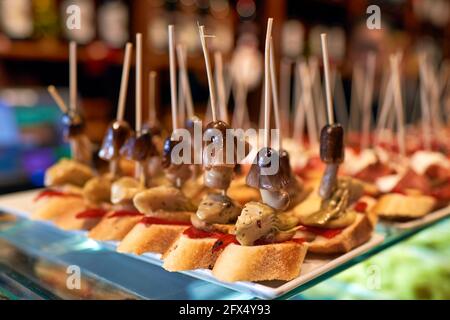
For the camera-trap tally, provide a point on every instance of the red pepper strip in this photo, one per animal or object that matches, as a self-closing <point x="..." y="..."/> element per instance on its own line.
<point x="91" y="213"/>
<point x="54" y="193"/>
<point x="152" y="220"/>
<point x="223" y="239"/>
<point x="124" y="213"/>
<point x="360" y="207"/>
<point x="327" y="233"/>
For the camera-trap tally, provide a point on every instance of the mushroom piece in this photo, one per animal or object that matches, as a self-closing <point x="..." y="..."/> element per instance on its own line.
<point x="73" y="131"/>
<point x="165" y="198"/>
<point x="218" y="208"/>
<point x="116" y="135"/>
<point x="270" y="178"/>
<point x="176" y="173"/>
<point x="124" y="190"/>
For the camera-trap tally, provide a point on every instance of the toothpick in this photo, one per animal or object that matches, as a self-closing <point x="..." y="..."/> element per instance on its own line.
<point x="424" y="103"/>
<point x="124" y="82"/>
<point x="152" y="97"/>
<point x="299" y="120"/>
<point x="173" y="79"/>
<point x="341" y="102"/>
<point x="181" y="55"/>
<point x="285" y="93"/>
<point x="275" y="95"/>
<point x="58" y="99"/>
<point x="326" y="69"/>
<point x="368" y="95"/>
<point x="73" y="75"/>
<point x="308" y="105"/>
<point x="218" y="62"/>
<point x="316" y="88"/>
<point x="138" y="83"/>
<point x="181" y="100"/>
<point x="395" y="65"/>
<point x="267" y="84"/>
<point x="212" y="94"/>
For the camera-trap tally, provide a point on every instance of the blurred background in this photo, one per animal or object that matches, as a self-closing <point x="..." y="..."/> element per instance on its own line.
<point x="34" y="54"/>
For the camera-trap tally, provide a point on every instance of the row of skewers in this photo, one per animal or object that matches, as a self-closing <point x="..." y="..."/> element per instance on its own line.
<point x="243" y="220"/>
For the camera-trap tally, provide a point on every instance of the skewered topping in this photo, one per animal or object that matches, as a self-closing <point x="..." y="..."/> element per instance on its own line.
<point x="260" y="222"/>
<point x="140" y="148"/>
<point x="98" y="189"/>
<point x="217" y="208"/>
<point x="218" y="177"/>
<point x="332" y="144"/>
<point x="165" y="198"/>
<point x="117" y="133"/>
<point x="294" y="187"/>
<point x="68" y="171"/>
<point x="73" y="124"/>
<point x="261" y="176"/>
<point x="124" y="189"/>
<point x="333" y="212"/>
<point x="169" y="144"/>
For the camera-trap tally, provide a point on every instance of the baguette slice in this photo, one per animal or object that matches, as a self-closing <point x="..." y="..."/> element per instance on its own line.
<point x="113" y="228"/>
<point x="354" y="235"/>
<point x="51" y="208"/>
<point x="190" y="254"/>
<point x="150" y="238"/>
<point x="397" y="206"/>
<point x="69" y="221"/>
<point x="280" y="261"/>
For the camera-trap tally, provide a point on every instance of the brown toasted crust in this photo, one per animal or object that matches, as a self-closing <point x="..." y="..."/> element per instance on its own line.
<point x="150" y="238"/>
<point x="189" y="254"/>
<point x="113" y="229"/>
<point x="396" y="206"/>
<point x="51" y="208"/>
<point x="69" y="221"/>
<point x="280" y="261"/>
<point x="354" y="235"/>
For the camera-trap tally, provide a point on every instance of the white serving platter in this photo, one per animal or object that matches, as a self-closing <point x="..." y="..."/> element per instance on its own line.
<point x="22" y="204"/>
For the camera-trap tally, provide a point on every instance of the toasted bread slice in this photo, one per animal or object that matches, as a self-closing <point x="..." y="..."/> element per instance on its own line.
<point x="354" y="235"/>
<point x="280" y="261"/>
<point x="113" y="228"/>
<point x="69" y="221"/>
<point x="189" y="254"/>
<point x="51" y="208"/>
<point x="150" y="238"/>
<point x="397" y="206"/>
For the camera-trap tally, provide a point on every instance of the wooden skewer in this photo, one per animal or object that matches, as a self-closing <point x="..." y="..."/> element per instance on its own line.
<point x="355" y="99"/>
<point x="124" y="82"/>
<point x="385" y="108"/>
<point x="308" y="105"/>
<point x="73" y="75"/>
<point x="395" y="65"/>
<point x="218" y="62"/>
<point x="58" y="99"/>
<point x="275" y="95"/>
<point x="368" y="96"/>
<point x="138" y="83"/>
<point x="152" y="97"/>
<point x="316" y="89"/>
<point x="424" y="103"/>
<point x="285" y="93"/>
<point x="326" y="69"/>
<point x="181" y="100"/>
<point x="173" y="80"/>
<point x="212" y="94"/>
<point x="267" y="84"/>
<point x="181" y="55"/>
<point x="341" y="102"/>
<point x="299" y="120"/>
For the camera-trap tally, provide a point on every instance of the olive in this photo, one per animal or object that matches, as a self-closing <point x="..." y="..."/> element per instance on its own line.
<point x="332" y="144"/>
